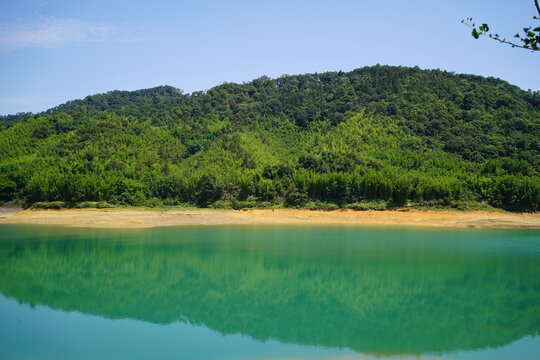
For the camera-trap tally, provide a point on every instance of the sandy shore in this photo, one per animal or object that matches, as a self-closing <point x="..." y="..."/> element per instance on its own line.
<point x="138" y="218"/>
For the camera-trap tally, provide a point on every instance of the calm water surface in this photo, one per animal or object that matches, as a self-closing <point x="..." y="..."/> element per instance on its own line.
<point x="269" y="292"/>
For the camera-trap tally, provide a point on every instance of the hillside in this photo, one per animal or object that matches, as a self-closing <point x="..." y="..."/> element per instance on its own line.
<point x="374" y="137"/>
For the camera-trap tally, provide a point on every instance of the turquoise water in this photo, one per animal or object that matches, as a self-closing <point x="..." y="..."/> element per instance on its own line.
<point x="269" y="292"/>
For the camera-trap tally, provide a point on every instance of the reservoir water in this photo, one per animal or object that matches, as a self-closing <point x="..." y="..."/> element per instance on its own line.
<point x="269" y="292"/>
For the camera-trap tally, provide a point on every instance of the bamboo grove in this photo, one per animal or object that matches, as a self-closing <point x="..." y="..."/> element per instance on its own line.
<point x="376" y="137"/>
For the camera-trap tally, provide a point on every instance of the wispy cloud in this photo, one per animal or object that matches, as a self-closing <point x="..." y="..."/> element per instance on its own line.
<point x="51" y="32"/>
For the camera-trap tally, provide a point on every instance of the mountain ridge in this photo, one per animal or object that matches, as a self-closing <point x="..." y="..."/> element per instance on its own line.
<point x="170" y="88"/>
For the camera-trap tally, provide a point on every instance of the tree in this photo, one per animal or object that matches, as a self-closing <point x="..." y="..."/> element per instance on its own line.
<point x="530" y="39"/>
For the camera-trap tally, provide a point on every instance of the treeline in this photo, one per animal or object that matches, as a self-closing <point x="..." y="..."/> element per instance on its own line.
<point x="375" y="137"/>
<point x="294" y="189"/>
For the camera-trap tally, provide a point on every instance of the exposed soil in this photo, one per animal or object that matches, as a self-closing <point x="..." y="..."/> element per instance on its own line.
<point x="140" y="218"/>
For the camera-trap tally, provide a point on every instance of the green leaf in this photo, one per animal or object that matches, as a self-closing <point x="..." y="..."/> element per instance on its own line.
<point x="475" y="33"/>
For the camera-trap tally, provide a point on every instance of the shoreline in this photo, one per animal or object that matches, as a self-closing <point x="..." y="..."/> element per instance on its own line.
<point x="141" y="218"/>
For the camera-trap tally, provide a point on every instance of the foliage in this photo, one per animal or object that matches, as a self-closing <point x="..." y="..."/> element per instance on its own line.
<point x="368" y="205"/>
<point x="530" y="38"/>
<point x="49" y="205"/>
<point x="375" y="135"/>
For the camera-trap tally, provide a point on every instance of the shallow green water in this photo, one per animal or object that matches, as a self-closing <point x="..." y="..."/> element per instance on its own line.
<point x="269" y="292"/>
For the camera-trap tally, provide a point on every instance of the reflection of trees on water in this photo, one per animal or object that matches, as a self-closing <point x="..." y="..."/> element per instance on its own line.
<point x="367" y="300"/>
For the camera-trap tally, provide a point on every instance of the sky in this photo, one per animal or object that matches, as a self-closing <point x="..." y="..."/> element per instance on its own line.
<point x="59" y="50"/>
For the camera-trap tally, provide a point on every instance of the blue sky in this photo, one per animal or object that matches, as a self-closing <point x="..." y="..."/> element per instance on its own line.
<point x="58" y="50"/>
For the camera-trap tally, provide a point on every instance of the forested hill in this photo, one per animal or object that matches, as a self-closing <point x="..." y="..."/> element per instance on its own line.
<point x="374" y="137"/>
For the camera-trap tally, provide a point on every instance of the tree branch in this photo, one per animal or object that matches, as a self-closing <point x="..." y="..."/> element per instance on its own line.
<point x="530" y="39"/>
<point x="499" y="39"/>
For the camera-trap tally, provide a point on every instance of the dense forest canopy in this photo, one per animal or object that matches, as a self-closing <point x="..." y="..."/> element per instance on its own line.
<point x="374" y="137"/>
